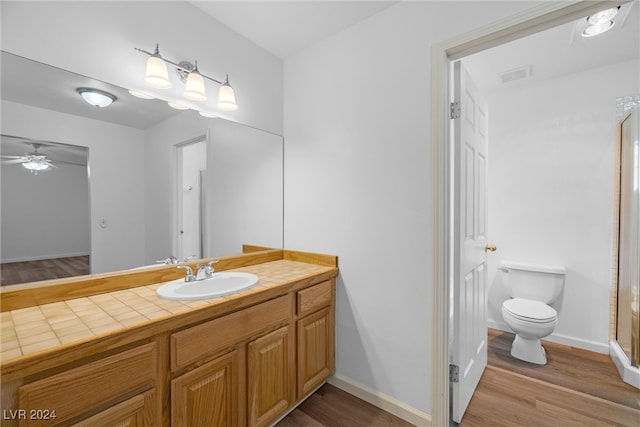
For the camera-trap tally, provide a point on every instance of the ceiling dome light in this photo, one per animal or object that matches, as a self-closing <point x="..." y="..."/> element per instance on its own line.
<point x="600" y="22"/>
<point x="597" y="29"/>
<point x="95" y="97"/>
<point x="603" y="15"/>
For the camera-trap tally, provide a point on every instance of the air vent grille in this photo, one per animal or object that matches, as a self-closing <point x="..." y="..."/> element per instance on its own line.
<point x="515" y="74"/>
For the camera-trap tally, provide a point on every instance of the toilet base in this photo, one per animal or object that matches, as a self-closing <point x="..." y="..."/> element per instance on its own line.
<point x="529" y="350"/>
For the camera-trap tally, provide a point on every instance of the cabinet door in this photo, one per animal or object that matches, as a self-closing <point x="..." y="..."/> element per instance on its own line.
<point x="316" y="354"/>
<point x="208" y="395"/>
<point x="139" y="411"/>
<point x="270" y="376"/>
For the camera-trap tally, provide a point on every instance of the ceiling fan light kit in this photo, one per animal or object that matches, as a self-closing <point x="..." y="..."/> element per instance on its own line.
<point x="157" y="76"/>
<point x="34" y="162"/>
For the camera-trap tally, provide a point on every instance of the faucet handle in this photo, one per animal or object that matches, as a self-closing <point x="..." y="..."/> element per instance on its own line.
<point x="189" y="277"/>
<point x="188" y="258"/>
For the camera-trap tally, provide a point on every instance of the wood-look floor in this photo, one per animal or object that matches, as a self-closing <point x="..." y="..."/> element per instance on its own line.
<point x="332" y="407"/>
<point x="46" y="269"/>
<point x="575" y="388"/>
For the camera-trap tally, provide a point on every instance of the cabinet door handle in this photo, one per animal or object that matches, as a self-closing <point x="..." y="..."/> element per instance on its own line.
<point x="490" y="248"/>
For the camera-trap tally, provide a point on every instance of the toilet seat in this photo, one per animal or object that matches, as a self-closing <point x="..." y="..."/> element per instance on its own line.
<point x="530" y="310"/>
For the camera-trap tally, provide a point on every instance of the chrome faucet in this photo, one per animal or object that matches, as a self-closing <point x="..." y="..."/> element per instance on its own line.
<point x="168" y="261"/>
<point x="205" y="271"/>
<point x="189" y="277"/>
<point x="171" y="260"/>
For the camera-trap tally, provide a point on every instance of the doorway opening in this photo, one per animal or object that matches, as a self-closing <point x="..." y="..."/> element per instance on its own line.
<point x="191" y="167"/>
<point x="529" y="22"/>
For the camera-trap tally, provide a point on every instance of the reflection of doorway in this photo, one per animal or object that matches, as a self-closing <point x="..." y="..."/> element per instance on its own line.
<point x="45" y="231"/>
<point x="191" y="174"/>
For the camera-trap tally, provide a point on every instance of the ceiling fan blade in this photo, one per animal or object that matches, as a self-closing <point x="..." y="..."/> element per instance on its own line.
<point x="12" y="162"/>
<point x="12" y="157"/>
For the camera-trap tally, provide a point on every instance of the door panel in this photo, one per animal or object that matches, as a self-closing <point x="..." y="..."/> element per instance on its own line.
<point x="469" y="333"/>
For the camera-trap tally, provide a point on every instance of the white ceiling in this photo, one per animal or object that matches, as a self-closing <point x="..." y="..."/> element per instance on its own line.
<point x="285" y="28"/>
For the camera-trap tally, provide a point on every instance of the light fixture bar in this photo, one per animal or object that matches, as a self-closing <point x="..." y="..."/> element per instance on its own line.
<point x="179" y="67"/>
<point x="195" y="89"/>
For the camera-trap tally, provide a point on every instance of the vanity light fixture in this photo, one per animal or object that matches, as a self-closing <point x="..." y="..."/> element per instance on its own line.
<point x="157" y="76"/>
<point x="600" y="22"/>
<point x="96" y="97"/>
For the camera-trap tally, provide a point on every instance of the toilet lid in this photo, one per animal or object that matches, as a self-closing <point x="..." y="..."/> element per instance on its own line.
<point x="530" y="310"/>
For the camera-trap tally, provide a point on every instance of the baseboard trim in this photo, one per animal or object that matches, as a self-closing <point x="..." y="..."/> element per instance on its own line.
<point x="629" y="374"/>
<point x="382" y="401"/>
<point x="594" y="346"/>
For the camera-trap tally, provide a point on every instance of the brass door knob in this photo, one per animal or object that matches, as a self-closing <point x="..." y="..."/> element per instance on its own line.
<point x="489" y="248"/>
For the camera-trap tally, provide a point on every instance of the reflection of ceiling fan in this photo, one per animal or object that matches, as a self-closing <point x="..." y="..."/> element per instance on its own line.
<point x="34" y="161"/>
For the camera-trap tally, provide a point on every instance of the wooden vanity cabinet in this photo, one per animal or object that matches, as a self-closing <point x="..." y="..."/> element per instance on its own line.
<point x="120" y="386"/>
<point x="270" y="376"/>
<point x="210" y="392"/>
<point x="250" y="377"/>
<point x="316" y="336"/>
<point x="244" y="368"/>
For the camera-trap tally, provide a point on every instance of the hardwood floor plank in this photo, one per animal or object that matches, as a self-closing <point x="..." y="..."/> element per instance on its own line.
<point x="576" y="388"/>
<point x="46" y="269"/>
<point x="332" y="407"/>
<point x="586" y="371"/>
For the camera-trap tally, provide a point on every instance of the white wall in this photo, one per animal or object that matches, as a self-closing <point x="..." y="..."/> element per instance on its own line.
<point x="45" y="215"/>
<point x="551" y="181"/>
<point x="97" y="39"/>
<point x="244" y="179"/>
<point x="357" y="182"/>
<point x="115" y="174"/>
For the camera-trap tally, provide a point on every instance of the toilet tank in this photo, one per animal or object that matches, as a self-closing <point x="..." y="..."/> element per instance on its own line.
<point x="531" y="281"/>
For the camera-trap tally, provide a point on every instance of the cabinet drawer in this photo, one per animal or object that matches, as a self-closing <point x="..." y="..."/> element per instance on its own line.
<point x="97" y="383"/>
<point x="314" y="298"/>
<point x="208" y="338"/>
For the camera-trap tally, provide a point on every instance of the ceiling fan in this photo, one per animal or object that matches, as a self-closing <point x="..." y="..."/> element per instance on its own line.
<point x="35" y="162"/>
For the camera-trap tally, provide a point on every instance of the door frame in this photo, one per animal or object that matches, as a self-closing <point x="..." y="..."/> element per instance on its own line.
<point x="178" y="190"/>
<point x="536" y="19"/>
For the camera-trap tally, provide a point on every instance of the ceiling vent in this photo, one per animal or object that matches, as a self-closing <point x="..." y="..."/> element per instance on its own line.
<point x="515" y="74"/>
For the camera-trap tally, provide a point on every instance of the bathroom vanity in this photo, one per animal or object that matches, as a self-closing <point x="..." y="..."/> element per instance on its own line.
<point x="106" y="350"/>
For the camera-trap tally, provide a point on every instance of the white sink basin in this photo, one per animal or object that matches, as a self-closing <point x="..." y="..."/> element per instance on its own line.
<point x="221" y="284"/>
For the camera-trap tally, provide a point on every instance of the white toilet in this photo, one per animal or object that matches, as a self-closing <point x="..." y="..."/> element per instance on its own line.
<point x="531" y="288"/>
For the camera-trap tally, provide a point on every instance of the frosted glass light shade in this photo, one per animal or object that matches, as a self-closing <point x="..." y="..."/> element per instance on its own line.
<point x="227" y="98"/>
<point x="157" y="74"/>
<point x="194" y="88"/>
<point x="95" y="97"/>
<point x="597" y="29"/>
<point x="603" y="15"/>
<point x="36" y="164"/>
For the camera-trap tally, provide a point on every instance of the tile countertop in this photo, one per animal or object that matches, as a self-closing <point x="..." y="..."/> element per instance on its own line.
<point x="41" y="328"/>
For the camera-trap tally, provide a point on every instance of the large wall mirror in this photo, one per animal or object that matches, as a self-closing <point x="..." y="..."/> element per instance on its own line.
<point x="142" y="181"/>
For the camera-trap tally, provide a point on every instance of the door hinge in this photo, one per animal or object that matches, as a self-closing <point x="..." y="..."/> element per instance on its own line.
<point x="454" y="372"/>
<point x="454" y="110"/>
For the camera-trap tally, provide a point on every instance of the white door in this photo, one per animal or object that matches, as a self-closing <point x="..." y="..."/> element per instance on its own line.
<point x="469" y="332"/>
<point x="191" y="167"/>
